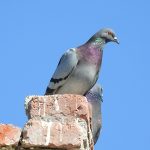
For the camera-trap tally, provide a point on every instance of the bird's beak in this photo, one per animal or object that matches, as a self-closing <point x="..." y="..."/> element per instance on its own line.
<point x="116" y="40"/>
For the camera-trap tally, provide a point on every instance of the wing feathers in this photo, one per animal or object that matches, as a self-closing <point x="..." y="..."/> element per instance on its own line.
<point x="65" y="67"/>
<point x="60" y="79"/>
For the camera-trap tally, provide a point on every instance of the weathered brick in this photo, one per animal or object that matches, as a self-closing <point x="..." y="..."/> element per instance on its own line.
<point x="9" y="135"/>
<point x="47" y="106"/>
<point x="58" y="121"/>
<point x="39" y="133"/>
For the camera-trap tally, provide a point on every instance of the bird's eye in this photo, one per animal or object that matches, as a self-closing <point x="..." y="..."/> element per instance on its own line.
<point x="111" y="34"/>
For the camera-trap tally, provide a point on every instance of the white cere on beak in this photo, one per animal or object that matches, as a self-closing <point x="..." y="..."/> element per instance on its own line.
<point x="116" y="40"/>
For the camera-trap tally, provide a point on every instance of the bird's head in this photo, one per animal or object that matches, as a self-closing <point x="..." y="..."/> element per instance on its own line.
<point x="106" y="35"/>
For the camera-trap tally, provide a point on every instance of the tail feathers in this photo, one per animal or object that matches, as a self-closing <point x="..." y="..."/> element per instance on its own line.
<point x="97" y="136"/>
<point x="49" y="91"/>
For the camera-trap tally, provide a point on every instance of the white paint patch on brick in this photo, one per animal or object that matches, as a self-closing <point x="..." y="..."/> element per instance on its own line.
<point x="48" y="135"/>
<point x="56" y="103"/>
<point x="44" y="106"/>
<point x="27" y="100"/>
<point x="61" y="133"/>
<point x="39" y="109"/>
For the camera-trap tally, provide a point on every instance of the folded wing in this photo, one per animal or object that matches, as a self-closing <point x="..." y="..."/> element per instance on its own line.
<point x="66" y="66"/>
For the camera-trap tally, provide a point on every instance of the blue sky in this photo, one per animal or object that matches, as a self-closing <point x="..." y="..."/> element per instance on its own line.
<point x="33" y="36"/>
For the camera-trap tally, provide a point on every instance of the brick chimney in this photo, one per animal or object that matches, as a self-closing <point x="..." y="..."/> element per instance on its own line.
<point x="56" y="122"/>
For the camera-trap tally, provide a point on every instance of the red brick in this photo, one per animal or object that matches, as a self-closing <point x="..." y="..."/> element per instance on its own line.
<point x="9" y="135"/>
<point x="47" y="106"/>
<point x="39" y="133"/>
<point x="58" y="121"/>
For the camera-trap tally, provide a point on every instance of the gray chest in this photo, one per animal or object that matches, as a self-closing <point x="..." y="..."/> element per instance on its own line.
<point x="85" y="73"/>
<point x="81" y="80"/>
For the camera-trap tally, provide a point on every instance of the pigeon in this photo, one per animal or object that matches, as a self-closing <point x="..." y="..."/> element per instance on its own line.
<point x="78" y="68"/>
<point x="94" y="98"/>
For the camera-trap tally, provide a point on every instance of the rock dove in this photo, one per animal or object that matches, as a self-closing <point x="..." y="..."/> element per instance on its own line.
<point x="94" y="97"/>
<point x="78" y="68"/>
